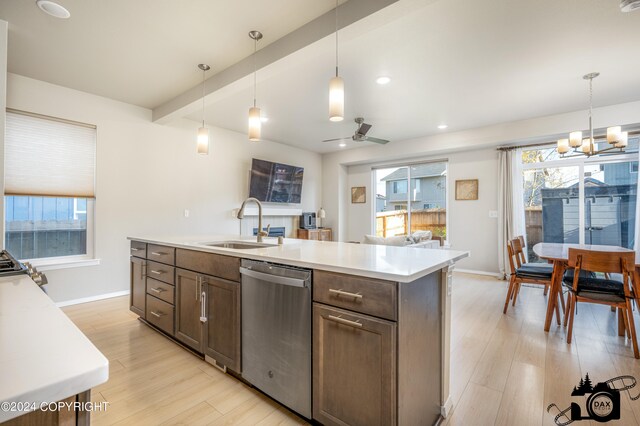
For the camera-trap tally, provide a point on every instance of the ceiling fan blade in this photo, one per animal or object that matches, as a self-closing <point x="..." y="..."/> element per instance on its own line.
<point x="335" y="140"/>
<point x="376" y="140"/>
<point x="363" y="129"/>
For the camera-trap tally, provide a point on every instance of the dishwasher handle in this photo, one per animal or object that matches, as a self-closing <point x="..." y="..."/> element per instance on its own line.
<point x="276" y="279"/>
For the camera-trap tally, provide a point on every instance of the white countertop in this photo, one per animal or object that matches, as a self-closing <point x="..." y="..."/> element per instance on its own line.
<point x="44" y="357"/>
<point x="402" y="264"/>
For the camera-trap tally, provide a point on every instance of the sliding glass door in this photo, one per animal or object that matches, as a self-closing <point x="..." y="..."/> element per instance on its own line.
<point x="411" y="198"/>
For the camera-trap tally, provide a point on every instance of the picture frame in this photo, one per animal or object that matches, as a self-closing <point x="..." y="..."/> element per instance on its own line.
<point x="467" y="189"/>
<point x="358" y="194"/>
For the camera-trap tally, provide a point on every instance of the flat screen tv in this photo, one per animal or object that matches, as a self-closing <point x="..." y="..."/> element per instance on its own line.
<point x="275" y="183"/>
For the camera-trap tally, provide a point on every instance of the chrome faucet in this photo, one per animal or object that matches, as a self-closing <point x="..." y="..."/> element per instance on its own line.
<point x="261" y="233"/>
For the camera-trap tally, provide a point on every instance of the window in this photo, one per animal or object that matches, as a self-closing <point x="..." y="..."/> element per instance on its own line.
<point x="579" y="199"/>
<point x="405" y="211"/>
<point x="400" y="187"/>
<point x="49" y="204"/>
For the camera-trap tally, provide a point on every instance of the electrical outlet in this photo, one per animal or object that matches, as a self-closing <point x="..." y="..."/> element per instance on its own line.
<point x="186" y="213"/>
<point x="493" y="214"/>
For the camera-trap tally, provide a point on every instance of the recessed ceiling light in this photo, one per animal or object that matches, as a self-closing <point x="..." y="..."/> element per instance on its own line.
<point x="342" y="145"/>
<point x="264" y="119"/>
<point x="383" y="80"/>
<point x="53" y="9"/>
<point x="442" y="126"/>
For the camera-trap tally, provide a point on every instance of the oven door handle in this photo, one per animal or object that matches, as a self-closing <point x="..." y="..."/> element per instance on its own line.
<point x="275" y="279"/>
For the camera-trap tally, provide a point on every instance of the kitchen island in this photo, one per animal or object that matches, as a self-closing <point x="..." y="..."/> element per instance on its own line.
<point x="44" y="359"/>
<point x="381" y="318"/>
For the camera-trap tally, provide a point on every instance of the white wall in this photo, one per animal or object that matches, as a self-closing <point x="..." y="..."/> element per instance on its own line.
<point x="471" y="154"/>
<point x="147" y="174"/>
<point x="469" y="225"/>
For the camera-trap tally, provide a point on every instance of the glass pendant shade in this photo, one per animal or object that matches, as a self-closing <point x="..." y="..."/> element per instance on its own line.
<point x="614" y="134"/>
<point x="586" y="145"/>
<point x="622" y="141"/>
<point x="336" y="99"/>
<point x="255" y="124"/>
<point x="575" y="139"/>
<point x="203" y="141"/>
<point x="563" y="146"/>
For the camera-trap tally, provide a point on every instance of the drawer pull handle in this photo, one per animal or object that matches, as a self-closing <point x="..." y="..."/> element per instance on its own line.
<point x="158" y="253"/>
<point x="345" y="321"/>
<point x="135" y="249"/>
<point x="157" y="290"/>
<point x="157" y="314"/>
<point x="345" y="293"/>
<point x="153" y="271"/>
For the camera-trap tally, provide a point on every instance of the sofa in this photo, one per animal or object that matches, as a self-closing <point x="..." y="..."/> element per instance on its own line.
<point x="418" y="239"/>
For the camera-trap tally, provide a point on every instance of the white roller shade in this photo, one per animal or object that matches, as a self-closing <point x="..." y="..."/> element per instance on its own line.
<point x="49" y="157"/>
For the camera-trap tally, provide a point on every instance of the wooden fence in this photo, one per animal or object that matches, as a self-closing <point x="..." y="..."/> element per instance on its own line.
<point x="395" y="222"/>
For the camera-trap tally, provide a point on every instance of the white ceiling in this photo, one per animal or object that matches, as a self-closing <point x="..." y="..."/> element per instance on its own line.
<point x="143" y="52"/>
<point x="466" y="63"/>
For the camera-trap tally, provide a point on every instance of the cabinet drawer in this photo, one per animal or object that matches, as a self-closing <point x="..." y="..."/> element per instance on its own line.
<point x="366" y="295"/>
<point x="160" y="290"/>
<point x="160" y="271"/>
<point x="160" y="314"/>
<point x="226" y="267"/>
<point x="138" y="249"/>
<point x="161" y="254"/>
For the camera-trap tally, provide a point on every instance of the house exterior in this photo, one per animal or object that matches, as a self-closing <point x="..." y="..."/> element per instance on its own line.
<point x="428" y="188"/>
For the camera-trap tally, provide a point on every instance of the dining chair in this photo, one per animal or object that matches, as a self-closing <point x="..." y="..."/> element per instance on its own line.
<point x="526" y="273"/>
<point x="603" y="291"/>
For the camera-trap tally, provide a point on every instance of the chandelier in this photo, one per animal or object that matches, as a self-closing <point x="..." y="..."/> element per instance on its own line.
<point x="616" y="138"/>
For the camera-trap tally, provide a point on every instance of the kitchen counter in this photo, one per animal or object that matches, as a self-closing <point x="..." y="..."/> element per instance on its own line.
<point x="401" y="264"/>
<point x="44" y="357"/>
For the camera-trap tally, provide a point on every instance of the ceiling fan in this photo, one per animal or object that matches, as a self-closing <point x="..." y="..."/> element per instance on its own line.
<point x="361" y="134"/>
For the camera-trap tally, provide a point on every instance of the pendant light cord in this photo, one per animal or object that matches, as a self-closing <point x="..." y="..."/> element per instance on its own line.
<point x="203" y="79"/>
<point x="255" y="70"/>
<point x="336" y="38"/>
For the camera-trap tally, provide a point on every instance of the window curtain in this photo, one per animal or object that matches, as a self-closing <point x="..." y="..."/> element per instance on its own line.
<point x="511" y="222"/>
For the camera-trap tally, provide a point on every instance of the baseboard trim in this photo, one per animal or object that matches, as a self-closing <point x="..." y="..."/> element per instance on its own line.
<point x="472" y="271"/>
<point x="92" y="298"/>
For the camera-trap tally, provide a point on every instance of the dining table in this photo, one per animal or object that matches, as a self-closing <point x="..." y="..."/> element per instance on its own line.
<point x="558" y="254"/>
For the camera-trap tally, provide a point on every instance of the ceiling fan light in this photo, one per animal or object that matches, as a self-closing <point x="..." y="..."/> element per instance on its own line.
<point x="255" y="124"/>
<point x="614" y="134"/>
<point x="575" y="139"/>
<point x="203" y="141"/>
<point x="336" y="99"/>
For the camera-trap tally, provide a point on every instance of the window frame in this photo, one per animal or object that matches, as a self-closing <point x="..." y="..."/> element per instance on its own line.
<point x="581" y="162"/>
<point x="64" y="262"/>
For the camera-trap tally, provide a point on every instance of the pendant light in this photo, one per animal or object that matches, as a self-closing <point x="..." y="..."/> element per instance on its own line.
<point x="336" y="87"/>
<point x="203" y="132"/>
<point x="255" y="123"/>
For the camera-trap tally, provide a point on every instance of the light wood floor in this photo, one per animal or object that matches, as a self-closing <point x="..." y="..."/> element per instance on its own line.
<point x="505" y="369"/>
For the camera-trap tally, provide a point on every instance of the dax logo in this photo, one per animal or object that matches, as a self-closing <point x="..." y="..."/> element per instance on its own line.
<point x="603" y="400"/>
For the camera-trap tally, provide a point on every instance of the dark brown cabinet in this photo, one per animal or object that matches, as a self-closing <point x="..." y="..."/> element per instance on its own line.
<point x="222" y="330"/>
<point x="355" y="381"/>
<point x="138" y="291"/>
<point x="188" y="309"/>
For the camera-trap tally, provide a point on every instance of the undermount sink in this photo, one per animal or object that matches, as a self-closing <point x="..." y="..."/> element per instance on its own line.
<point x="239" y="245"/>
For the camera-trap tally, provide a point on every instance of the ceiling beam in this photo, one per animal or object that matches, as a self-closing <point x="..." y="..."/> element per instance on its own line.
<point x="348" y="13"/>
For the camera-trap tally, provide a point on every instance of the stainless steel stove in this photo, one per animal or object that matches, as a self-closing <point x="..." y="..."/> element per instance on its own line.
<point x="9" y="265"/>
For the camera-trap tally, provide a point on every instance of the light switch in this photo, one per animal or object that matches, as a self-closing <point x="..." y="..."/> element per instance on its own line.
<point x="493" y="214"/>
<point x="186" y="213"/>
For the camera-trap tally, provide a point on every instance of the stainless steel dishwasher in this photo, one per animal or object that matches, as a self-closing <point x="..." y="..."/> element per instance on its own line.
<point x="276" y="332"/>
